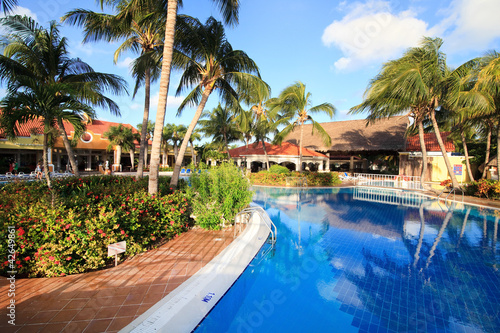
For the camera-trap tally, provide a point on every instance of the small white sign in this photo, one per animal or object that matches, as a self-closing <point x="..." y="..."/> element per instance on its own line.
<point x="114" y="249"/>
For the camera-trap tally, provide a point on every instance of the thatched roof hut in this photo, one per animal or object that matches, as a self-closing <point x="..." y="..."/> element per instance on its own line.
<point x="355" y="136"/>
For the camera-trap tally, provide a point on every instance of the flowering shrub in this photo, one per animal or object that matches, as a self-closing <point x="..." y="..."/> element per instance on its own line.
<point x="313" y="178"/>
<point x="276" y="168"/>
<point x="91" y="213"/>
<point x="483" y="188"/>
<point x="218" y="195"/>
<point x="446" y="183"/>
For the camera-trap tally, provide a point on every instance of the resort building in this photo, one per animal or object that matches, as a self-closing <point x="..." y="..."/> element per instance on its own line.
<point x="253" y="157"/>
<point x="91" y="148"/>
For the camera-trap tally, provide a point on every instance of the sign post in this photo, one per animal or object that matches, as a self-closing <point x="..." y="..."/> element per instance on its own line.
<point x="457" y="170"/>
<point x="115" y="248"/>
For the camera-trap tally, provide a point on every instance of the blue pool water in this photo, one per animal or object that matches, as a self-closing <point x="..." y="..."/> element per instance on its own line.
<point x="360" y="260"/>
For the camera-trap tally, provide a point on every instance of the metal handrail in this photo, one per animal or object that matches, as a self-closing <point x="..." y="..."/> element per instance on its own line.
<point x="247" y="212"/>
<point x="454" y="191"/>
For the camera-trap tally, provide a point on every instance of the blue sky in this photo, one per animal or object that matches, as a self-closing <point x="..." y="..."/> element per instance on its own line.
<point x="333" y="47"/>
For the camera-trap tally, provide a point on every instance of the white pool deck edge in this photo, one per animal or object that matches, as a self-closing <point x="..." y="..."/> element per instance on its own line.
<point x="186" y="306"/>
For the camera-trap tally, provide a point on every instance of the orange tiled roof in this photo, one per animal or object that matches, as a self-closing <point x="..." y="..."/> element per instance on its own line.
<point x="286" y="148"/>
<point x="431" y="144"/>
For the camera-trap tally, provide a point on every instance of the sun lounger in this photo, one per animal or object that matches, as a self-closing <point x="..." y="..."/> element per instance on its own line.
<point x="346" y="177"/>
<point x="183" y="171"/>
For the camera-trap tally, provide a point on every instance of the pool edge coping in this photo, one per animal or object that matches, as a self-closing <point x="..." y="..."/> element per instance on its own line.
<point x="187" y="305"/>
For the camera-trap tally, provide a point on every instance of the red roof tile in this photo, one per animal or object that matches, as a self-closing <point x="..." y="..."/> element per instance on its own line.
<point x="286" y="149"/>
<point x="431" y="144"/>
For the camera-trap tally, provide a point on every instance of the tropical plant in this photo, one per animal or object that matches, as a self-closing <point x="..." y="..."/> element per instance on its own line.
<point x="143" y="31"/>
<point x="416" y="85"/>
<point x="209" y="63"/>
<point x="123" y="138"/>
<point x="219" y="124"/>
<point x="44" y="83"/>
<point x="294" y="105"/>
<point x="229" y="9"/>
<point x="149" y="134"/>
<point x="8" y="5"/>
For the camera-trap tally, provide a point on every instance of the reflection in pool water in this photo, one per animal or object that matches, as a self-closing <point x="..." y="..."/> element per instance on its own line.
<point x="351" y="261"/>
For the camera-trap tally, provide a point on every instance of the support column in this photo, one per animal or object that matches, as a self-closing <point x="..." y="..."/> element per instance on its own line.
<point x="328" y="162"/>
<point x="351" y="164"/>
<point x="49" y="158"/>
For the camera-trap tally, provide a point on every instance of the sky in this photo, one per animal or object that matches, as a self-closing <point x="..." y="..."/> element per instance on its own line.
<point x="334" y="47"/>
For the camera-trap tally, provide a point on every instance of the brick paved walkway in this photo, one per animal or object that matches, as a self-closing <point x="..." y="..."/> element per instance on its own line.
<point x="108" y="300"/>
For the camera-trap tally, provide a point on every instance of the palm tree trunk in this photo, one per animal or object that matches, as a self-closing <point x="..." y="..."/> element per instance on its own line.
<point x="265" y="153"/>
<point x="68" y="148"/>
<point x="46" y="160"/>
<point x="118" y="155"/>
<point x="192" y="152"/>
<point x="300" y="146"/>
<point x="443" y="149"/>
<point x="131" y="152"/>
<point x="466" y="152"/>
<point x="424" y="152"/>
<point x="488" y="147"/>
<point x="144" y="129"/>
<point x="416" y="257"/>
<point x="432" y="251"/>
<point x="168" y="49"/>
<point x="199" y="111"/>
<point x="227" y="146"/>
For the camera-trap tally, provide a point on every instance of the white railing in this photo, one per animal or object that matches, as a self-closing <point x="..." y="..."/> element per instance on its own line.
<point x="391" y="181"/>
<point x="244" y="216"/>
<point x="395" y="197"/>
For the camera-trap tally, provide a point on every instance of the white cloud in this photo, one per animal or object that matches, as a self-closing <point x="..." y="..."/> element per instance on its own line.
<point x="172" y="101"/>
<point x="125" y="63"/>
<point x="22" y="11"/>
<point x="370" y="33"/>
<point x="475" y="23"/>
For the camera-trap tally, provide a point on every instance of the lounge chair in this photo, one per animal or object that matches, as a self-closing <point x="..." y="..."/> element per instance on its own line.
<point x="183" y="171"/>
<point x="188" y="171"/>
<point x="346" y="177"/>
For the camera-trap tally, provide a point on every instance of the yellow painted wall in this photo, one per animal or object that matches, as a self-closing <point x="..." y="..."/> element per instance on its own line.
<point x="440" y="172"/>
<point x="35" y="142"/>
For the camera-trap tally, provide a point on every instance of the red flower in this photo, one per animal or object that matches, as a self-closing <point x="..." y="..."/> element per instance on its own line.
<point x="68" y="258"/>
<point x="27" y="258"/>
<point x="51" y="258"/>
<point x="122" y="232"/>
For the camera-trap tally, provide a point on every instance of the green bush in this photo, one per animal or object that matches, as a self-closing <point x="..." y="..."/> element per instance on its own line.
<point x="486" y="188"/>
<point x="218" y="195"/>
<point x="313" y="178"/>
<point x="279" y="169"/>
<point x="90" y="213"/>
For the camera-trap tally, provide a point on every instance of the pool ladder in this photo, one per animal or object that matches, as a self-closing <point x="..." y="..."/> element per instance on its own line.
<point x="454" y="191"/>
<point x="245" y="215"/>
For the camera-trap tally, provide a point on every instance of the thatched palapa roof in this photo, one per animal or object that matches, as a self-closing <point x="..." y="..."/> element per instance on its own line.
<point x="353" y="135"/>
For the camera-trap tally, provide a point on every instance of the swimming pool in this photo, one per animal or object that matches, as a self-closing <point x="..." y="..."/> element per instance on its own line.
<point x="359" y="260"/>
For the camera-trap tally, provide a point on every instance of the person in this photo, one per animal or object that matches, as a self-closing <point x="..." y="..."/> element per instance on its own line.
<point x="16" y="167"/>
<point x="11" y="166"/>
<point x="38" y="171"/>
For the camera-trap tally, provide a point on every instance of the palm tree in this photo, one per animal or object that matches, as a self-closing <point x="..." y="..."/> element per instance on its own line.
<point x="36" y="67"/>
<point x="415" y="84"/>
<point x="149" y="134"/>
<point x="194" y="136"/>
<point x="229" y="9"/>
<point x="143" y="31"/>
<point x="488" y="83"/>
<point x="294" y="104"/>
<point x="209" y="64"/>
<point x="123" y="138"/>
<point x="8" y="5"/>
<point x="220" y="125"/>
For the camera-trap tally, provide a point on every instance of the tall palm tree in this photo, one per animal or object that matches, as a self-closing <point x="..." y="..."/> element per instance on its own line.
<point x="123" y="138"/>
<point x="229" y="9"/>
<point x="220" y="125"/>
<point x="143" y="31"/>
<point x="294" y="103"/>
<point x="416" y="85"/>
<point x="488" y="83"/>
<point x="36" y="66"/>
<point x="149" y="134"/>
<point x="209" y="64"/>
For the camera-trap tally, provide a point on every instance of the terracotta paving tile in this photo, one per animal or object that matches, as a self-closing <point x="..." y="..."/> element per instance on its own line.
<point x="108" y="300"/>
<point x="97" y="326"/>
<point x="119" y="323"/>
<point x="107" y="312"/>
<point x="76" y="326"/>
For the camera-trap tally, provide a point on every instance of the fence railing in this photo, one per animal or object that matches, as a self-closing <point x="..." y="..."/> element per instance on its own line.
<point x="396" y="197"/>
<point x="391" y="181"/>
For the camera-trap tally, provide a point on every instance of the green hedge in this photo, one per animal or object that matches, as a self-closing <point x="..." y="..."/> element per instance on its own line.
<point x="67" y="230"/>
<point x="313" y="178"/>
